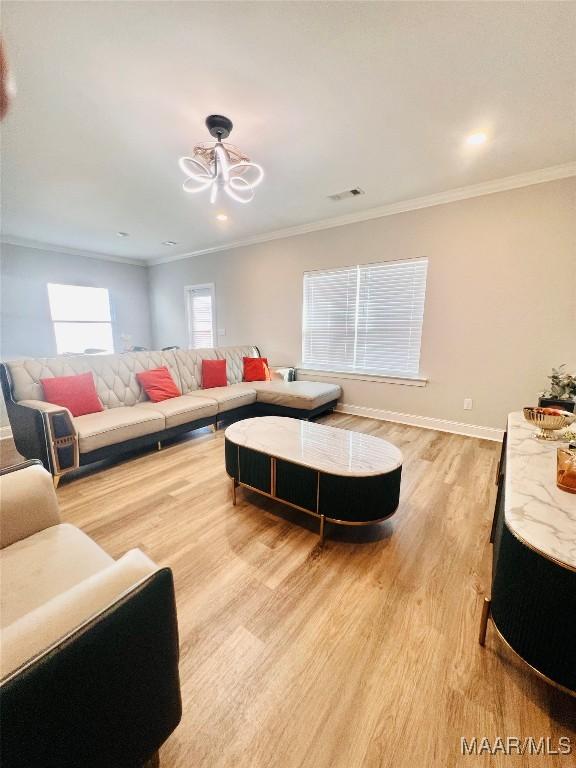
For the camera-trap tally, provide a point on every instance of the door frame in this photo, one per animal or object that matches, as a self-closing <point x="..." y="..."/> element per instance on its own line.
<point x="190" y="289"/>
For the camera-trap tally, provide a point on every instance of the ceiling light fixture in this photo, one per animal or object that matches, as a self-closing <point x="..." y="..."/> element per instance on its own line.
<point x="220" y="167"/>
<point x="477" y="138"/>
<point x="222" y="217"/>
<point x="169" y="242"/>
<point x="122" y="234"/>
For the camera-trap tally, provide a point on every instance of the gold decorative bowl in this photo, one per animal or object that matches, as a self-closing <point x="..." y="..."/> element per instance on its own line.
<point x="547" y="422"/>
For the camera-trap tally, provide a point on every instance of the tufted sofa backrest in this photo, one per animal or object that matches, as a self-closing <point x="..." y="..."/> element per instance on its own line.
<point x="189" y="363"/>
<point x="115" y="375"/>
<point x="234" y="357"/>
<point x="26" y="374"/>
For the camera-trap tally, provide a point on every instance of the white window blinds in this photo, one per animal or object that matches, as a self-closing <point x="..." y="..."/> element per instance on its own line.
<point x="365" y="319"/>
<point x="200" y="318"/>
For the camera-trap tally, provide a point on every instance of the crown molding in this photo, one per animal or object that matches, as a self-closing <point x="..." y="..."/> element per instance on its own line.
<point x="540" y="176"/>
<point x="36" y="245"/>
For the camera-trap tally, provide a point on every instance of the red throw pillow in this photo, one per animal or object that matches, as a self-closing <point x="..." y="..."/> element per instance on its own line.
<point x="158" y="384"/>
<point x="77" y="393"/>
<point x="214" y="374"/>
<point x="256" y="369"/>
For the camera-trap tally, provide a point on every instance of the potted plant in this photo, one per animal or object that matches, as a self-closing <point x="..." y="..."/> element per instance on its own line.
<point x="562" y="390"/>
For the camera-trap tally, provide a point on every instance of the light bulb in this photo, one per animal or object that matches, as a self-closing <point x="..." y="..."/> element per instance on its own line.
<point x="477" y="138"/>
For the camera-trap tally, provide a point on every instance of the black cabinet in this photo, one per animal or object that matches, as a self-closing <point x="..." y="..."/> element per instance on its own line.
<point x="533" y="598"/>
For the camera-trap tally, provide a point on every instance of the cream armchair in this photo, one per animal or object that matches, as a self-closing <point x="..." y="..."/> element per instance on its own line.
<point x="89" y="645"/>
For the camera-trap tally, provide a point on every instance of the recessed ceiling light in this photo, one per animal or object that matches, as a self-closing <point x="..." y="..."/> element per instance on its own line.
<point x="477" y="138"/>
<point x="169" y="242"/>
<point x="222" y="217"/>
<point x="122" y="234"/>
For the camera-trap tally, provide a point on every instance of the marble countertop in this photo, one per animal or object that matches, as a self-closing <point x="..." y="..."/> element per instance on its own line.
<point x="535" y="508"/>
<point x="328" y="449"/>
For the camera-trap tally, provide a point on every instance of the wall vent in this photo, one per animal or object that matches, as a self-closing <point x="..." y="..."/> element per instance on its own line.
<point x="347" y="193"/>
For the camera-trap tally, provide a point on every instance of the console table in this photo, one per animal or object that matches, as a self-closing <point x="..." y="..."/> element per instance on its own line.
<point x="533" y="600"/>
<point x="335" y="475"/>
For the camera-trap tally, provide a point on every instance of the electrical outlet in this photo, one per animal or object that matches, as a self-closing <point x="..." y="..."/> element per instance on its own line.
<point x="467" y="403"/>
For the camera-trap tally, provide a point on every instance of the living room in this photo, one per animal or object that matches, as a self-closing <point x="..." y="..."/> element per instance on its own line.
<point x="288" y="428"/>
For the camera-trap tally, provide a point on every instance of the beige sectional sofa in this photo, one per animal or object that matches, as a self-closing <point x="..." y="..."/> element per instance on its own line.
<point x="63" y="442"/>
<point x="89" y="662"/>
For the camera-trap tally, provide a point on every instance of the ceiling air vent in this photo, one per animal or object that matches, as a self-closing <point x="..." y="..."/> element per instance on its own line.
<point x="348" y="193"/>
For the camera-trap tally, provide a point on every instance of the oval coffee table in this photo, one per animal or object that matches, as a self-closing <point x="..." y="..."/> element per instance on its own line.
<point x="336" y="475"/>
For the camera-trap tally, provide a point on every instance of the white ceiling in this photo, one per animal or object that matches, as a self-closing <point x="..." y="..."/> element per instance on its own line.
<point x="326" y="96"/>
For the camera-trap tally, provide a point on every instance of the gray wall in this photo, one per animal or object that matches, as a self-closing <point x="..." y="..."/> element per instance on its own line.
<point x="500" y="307"/>
<point x="25" y="325"/>
<point x="26" y="328"/>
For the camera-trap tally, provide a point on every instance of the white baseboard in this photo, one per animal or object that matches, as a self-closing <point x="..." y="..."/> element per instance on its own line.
<point x="5" y="432"/>
<point x="427" y="422"/>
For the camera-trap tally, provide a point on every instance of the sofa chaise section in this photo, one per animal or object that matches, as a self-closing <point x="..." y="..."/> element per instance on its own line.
<point x="300" y="396"/>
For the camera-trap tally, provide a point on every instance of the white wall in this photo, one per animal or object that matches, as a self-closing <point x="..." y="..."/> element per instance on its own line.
<point x="26" y="328"/>
<point x="500" y="306"/>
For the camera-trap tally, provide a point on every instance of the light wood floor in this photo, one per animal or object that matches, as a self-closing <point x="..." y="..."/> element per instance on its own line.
<point x="360" y="655"/>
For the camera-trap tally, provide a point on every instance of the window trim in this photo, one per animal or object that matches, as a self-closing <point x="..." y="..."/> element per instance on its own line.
<point x="188" y="289"/>
<point x="379" y="378"/>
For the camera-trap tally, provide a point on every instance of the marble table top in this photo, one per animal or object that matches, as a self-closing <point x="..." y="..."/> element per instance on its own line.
<point x="328" y="449"/>
<point x="535" y="508"/>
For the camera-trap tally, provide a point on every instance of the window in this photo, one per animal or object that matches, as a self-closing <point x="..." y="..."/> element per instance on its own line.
<point x="200" y="315"/>
<point x="366" y="318"/>
<point x="81" y="318"/>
